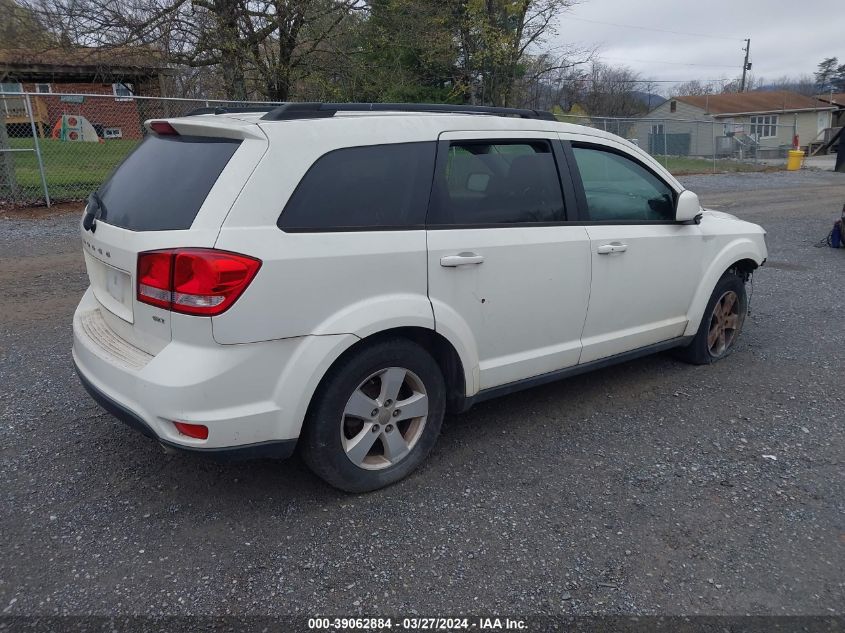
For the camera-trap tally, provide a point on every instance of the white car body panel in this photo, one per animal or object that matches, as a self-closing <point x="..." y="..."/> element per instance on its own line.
<point x="640" y="296"/>
<point x="727" y="240"/>
<point x="524" y="306"/>
<point x="543" y="300"/>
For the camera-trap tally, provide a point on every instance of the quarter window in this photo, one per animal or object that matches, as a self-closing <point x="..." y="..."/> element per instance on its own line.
<point x="620" y="189"/>
<point x="374" y="187"/>
<point x="497" y="183"/>
<point x="764" y="126"/>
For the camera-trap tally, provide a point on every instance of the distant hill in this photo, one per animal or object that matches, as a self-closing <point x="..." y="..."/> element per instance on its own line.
<point x="649" y="99"/>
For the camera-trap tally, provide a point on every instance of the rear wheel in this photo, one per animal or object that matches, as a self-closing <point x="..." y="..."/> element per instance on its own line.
<point x="375" y="417"/>
<point x="721" y="324"/>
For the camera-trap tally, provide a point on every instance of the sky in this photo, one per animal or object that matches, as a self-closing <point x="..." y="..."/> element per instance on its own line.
<point x="787" y="38"/>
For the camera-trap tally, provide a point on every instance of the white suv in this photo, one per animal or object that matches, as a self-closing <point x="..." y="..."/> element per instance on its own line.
<point x="337" y="277"/>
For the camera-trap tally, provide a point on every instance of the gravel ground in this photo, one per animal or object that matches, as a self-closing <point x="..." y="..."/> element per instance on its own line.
<point x="643" y="488"/>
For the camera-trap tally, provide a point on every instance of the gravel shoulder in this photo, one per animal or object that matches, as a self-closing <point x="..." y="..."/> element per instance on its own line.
<point x="652" y="487"/>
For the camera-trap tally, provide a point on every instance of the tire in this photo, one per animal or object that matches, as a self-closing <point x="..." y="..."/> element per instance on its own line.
<point x="707" y="346"/>
<point x="357" y="435"/>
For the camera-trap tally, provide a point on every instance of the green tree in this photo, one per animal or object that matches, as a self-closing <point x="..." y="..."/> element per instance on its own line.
<point x="495" y="40"/>
<point x="838" y="80"/>
<point x="409" y="51"/>
<point x="20" y="27"/>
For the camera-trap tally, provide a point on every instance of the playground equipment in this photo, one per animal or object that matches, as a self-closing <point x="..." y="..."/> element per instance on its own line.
<point x="75" y="127"/>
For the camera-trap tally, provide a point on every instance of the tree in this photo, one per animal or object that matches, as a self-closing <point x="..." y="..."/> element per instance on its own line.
<point x="827" y="74"/>
<point x="478" y="51"/>
<point x="20" y="27"/>
<point x="612" y="91"/>
<point x="838" y="80"/>
<point x="261" y="47"/>
<point x="694" y="88"/>
<point x="408" y="52"/>
<point x="802" y="84"/>
<point x="544" y="80"/>
<point x="495" y="38"/>
<point x="735" y="85"/>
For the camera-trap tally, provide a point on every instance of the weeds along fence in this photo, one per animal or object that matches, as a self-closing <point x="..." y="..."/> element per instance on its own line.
<point x="60" y="147"/>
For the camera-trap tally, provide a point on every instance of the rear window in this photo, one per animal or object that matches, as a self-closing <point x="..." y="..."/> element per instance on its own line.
<point x="377" y="187"/>
<point x="162" y="184"/>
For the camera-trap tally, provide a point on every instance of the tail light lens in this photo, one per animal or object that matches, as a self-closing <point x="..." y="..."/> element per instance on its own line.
<point x="196" y="431"/>
<point x="198" y="281"/>
<point x="154" y="278"/>
<point x="163" y="128"/>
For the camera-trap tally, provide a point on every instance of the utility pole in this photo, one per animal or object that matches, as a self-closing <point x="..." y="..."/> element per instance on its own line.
<point x="746" y="66"/>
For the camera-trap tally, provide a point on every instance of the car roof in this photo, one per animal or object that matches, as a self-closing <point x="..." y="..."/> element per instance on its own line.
<point x="393" y="123"/>
<point x="392" y="126"/>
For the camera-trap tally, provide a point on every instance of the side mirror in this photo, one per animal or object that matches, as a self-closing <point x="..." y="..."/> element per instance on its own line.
<point x="688" y="208"/>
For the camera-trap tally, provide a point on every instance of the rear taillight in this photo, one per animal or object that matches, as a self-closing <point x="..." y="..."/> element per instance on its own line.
<point x="154" y="278"/>
<point x="197" y="431"/>
<point x="198" y="281"/>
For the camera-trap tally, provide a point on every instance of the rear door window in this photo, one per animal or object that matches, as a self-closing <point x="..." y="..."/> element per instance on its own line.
<point x="374" y="187"/>
<point x="162" y="184"/>
<point x="487" y="183"/>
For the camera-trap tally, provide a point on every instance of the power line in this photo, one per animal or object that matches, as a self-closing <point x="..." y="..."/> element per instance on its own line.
<point x="648" y="81"/>
<point x="649" y="28"/>
<point x="654" y="61"/>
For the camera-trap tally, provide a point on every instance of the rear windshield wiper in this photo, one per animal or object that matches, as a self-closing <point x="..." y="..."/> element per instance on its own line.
<point x="94" y="210"/>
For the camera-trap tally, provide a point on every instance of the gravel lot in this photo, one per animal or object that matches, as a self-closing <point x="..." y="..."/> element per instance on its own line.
<point x="642" y="488"/>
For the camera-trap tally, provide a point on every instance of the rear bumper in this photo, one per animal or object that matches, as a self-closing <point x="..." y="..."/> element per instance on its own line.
<point x="274" y="449"/>
<point x="252" y="397"/>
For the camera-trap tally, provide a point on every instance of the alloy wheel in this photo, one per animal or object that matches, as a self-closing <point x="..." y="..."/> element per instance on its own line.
<point x="384" y="418"/>
<point x="724" y="324"/>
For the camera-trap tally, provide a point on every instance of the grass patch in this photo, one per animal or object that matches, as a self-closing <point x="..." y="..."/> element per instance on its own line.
<point x="683" y="165"/>
<point x="73" y="169"/>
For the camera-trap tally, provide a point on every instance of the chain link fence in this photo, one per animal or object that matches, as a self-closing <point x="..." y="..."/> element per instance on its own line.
<point x="59" y="147"/>
<point x="700" y="146"/>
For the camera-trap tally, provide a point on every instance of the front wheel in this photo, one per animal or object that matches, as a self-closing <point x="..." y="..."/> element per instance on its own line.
<point x="721" y="324"/>
<point x="375" y="417"/>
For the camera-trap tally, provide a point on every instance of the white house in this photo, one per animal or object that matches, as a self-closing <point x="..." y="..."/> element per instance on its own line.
<point x="733" y="124"/>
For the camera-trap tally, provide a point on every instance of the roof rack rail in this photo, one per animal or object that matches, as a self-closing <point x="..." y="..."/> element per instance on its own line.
<point x="231" y="110"/>
<point x="293" y="111"/>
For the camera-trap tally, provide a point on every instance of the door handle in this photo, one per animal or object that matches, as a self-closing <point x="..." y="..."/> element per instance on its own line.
<point x="613" y="247"/>
<point x="461" y="259"/>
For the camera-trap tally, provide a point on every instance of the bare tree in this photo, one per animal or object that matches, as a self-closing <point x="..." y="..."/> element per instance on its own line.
<point x="694" y="88"/>
<point x="261" y="47"/>
<point x="802" y="84"/>
<point x="612" y="91"/>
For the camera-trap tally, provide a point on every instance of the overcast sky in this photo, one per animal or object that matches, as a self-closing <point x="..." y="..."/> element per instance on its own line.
<point x="787" y="37"/>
